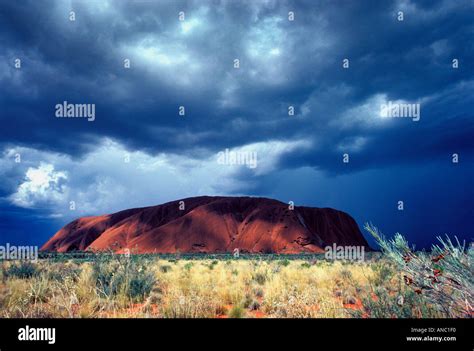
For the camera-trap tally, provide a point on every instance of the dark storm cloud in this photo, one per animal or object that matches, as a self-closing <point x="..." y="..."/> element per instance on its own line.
<point x="282" y="63"/>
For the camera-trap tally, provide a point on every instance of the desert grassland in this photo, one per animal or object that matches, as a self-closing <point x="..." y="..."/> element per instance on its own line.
<point x="121" y="287"/>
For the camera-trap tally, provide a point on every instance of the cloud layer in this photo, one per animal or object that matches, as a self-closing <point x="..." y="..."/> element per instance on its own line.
<point x="183" y="55"/>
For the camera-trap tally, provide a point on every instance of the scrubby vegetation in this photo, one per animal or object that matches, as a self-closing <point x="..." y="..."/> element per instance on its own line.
<point x="443" y="277"/>
<point x="400" y="283"/>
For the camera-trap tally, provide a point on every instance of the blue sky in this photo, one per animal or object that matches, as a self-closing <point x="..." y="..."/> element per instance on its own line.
<point x="139" y="151"/>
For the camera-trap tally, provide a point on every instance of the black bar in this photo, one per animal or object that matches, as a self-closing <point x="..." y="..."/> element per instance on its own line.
<point x="317" y="334"/>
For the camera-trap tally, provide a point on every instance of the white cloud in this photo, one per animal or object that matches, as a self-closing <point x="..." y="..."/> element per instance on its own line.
<point x="41" y="185"/>
<point x="169" y="60"/>
<point x="265" y="47"/>
<point x="366" y="114"/>
<point x="111" y="177"/>
<point x="269" y="153"/>
<point x="188" y="26"/>
<point x="352" y="144"/>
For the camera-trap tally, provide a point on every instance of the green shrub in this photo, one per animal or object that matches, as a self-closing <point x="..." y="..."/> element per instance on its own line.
<point x="284" y="263"/>
<point x="165" y="268"/>
<point x="120" y="275"/>
<point x="443" y="278"/>
<point x="22" y="270"/>
<point x="213" y="264"/>
<point x="384" y="272"/>
<point x="60" y="272"/>
<point x="346" y="274"/>
<point x="237" y="312"/>
<point x="260" y="278"/>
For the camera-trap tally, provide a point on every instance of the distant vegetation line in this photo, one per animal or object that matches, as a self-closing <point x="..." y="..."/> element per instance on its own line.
<point x="89" y="256"/>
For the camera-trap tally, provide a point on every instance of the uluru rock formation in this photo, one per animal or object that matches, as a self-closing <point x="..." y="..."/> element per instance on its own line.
<point x="211" y="224"/>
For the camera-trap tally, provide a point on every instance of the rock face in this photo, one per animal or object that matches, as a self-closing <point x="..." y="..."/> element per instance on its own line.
<point x="210" y="225"/>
